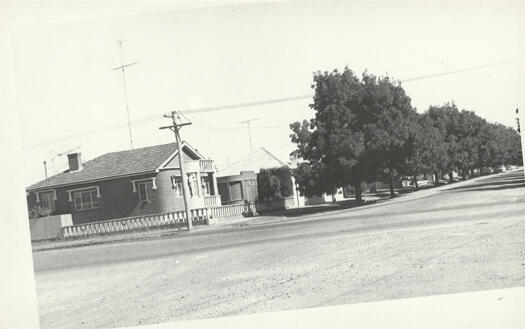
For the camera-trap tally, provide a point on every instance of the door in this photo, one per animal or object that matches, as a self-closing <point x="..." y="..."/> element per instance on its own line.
<point x="236" y="191"/>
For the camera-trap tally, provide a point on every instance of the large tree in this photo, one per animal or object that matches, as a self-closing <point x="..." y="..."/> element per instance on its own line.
<point x="470" y="126"/>
<point x="430" y="154"/>
<point x="360" y="130"/>
<point x="446" y="119"/>
<point x="389" y="127"/>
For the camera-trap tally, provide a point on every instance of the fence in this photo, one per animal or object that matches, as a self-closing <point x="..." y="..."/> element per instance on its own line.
<point x="274" y="204"/>
<point x="208" y="215"/>
<point x="212" y="200"/>
<point x="231" y="210"/>
<point x="49" y="227"/>
<point x="198" y="216"/>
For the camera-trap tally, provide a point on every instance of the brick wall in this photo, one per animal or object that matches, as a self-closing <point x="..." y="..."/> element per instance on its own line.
<point x="118" y="199"/>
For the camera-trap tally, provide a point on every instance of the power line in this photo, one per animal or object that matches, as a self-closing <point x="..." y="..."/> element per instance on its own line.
<point x="214" y="127"/>
<point x="473" y="68"/>
<point x="249" y="104"/>
<point x="242" y="105"/>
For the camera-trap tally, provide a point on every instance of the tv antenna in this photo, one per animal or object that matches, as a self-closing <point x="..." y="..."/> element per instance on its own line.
<point x="56" y="156"/>
<point x="122" y="68"/>
<point x="249" y="131"/>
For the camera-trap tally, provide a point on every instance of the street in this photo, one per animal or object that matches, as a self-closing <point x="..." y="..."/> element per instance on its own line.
<point x="464" y="237"/>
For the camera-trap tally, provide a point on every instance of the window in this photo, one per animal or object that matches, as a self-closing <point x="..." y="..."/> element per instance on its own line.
<point x="47" y="200"/>
<point x="145" y="191"/>
<point x="192" y="185"/>
<point x="176" y="183"/>
<point x="205" y="183"/>
<point x="85" y="199"/>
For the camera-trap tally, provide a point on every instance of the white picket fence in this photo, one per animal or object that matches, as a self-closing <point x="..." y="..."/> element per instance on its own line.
<point x="198" y="216"/>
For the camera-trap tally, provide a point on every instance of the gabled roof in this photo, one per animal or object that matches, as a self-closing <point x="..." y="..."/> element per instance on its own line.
<point x="116" y="164"/>
<point x="255" y="161"/>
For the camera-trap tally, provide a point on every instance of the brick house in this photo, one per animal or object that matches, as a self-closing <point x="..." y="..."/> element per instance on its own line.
<point x="127" y="183"/>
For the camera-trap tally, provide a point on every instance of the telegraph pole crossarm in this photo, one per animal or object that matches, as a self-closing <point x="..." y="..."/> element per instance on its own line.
<point x="175" y="127"/>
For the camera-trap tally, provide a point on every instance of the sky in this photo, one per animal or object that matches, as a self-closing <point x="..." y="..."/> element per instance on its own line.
<point x="194" y="55"/>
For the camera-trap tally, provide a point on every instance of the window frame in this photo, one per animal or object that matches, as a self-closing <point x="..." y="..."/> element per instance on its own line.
<point x="145" y="183"/>
<point x="94" y="202"/>
<point x="176" y="184"/>
<point x="205" y="185"/>
<point x="51" y="200"/>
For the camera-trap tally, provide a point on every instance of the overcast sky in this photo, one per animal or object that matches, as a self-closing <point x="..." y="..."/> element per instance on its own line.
<point x="231" y="54"/>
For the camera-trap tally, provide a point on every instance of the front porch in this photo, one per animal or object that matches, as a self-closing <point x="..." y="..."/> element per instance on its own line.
<point x="202" y="184"/>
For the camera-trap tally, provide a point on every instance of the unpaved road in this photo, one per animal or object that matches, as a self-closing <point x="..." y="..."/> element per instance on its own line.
<point x="465" y="238"/>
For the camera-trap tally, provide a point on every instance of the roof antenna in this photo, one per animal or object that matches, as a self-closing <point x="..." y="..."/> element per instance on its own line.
<point x="249" y="131"/>
<point x="122" y="67"/>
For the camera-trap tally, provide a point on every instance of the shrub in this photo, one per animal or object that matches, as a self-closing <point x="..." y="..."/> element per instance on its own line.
<point x="37" y="211"/>
<point x="274" y="183"/>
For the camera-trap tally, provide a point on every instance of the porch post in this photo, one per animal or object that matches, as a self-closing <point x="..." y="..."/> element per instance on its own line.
<point x="199" y="187"/>
<point x="214" y="180"/>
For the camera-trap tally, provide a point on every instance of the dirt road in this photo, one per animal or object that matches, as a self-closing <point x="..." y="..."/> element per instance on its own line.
<point x="466" y="238"/>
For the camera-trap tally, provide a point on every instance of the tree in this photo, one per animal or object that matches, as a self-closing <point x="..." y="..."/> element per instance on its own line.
<point x="469" y="133"/>
<point x="446" y="119"/>
<point x="309" y="179"/>
<point x="390" y="127"/>
<point x="360" y="130"/>
<point x="332" y="142"/>
<point x="429" y="154"/>
<point x="472" y="142"/>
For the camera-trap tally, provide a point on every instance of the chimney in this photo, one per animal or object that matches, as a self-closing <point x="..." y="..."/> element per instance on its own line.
<point x="75" y="162"/>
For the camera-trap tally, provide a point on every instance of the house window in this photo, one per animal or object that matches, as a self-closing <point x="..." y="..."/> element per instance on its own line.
<point x="205" y="183"/>
<point x="145" y="190"/>
<point x="47" y="200"/>
<point x="176" y="183"/>
<point x="85" y="199"/>
<point x="192" y="185"/>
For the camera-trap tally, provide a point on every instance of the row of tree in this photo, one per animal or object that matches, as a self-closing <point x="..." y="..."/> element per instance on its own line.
<point x="365" y="129"/>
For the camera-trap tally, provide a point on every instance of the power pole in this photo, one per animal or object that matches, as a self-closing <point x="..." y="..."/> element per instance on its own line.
<point x="518" y="120"/>
<point x="249" y="131"/>
<point x="175" y="127"/>
<point x="122" y="67"/>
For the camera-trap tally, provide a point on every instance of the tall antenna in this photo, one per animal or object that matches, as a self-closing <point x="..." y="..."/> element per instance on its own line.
<point x="122" y="67"/>
<point x="249" y="131"/>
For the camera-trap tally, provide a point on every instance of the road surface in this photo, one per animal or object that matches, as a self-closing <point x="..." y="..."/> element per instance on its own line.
<point x="468" y="236"/>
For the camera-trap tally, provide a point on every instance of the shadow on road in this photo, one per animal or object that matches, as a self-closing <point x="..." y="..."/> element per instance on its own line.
<point x="371" y="198"/>
<point x="296" y="212"/>
<point x="509" y="181"/>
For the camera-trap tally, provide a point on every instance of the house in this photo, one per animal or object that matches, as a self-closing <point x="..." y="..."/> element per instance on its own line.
<point x="127" y="183"/>
<point x="237" y="182"/>
<point x="238" y="188"/>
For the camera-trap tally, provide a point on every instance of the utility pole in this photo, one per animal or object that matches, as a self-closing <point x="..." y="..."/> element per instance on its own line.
<point x="122" y="67"/>
<point x="518" y="120"/>
<point x="175" y="127"/>
<point x="249" y="131"/>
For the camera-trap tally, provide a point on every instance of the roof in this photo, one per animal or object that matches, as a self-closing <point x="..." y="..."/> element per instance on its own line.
<point x="255" y="161"/>
<point x="115" y="164"/>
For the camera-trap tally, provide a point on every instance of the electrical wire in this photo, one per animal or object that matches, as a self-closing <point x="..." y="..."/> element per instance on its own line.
<point x="239" y="105"/>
